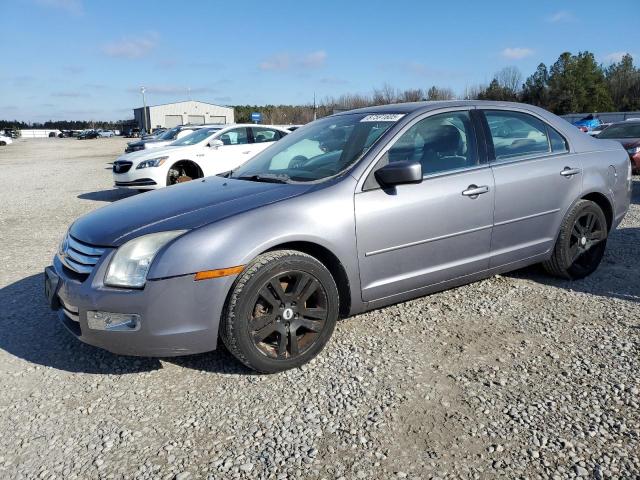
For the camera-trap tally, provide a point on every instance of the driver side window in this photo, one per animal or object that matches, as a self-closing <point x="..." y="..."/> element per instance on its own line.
<point x="440" y="143"/>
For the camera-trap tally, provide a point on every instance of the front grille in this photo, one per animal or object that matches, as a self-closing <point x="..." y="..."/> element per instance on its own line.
<point x="80" y="257"/>
<point x="121" y="166"/>
<point x="143" y="182"/>
<point x="70" y="311"/>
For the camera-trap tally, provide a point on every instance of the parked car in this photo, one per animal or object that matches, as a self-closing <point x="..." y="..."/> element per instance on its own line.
<point x="106" y="133"/>
<point x="628" y="134"/>
<point x="4" y="140"/>
<point x="10" y="132"/>
<point x="588" y="123"/>
<point x="417" y="198"/>
<point x="163" y="139"/>
<point x="132" y="133"/>
<point x="156" y="133"/>
<point x="206" y="151"/>
<point x="88" y="134"/>
<point x="598" y="130"/>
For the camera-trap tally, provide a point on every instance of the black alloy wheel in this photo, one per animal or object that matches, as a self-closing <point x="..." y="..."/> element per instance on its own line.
<point x="281" y="311"/>
<point x="581" y="244"/>
<point x="289" y="313"/>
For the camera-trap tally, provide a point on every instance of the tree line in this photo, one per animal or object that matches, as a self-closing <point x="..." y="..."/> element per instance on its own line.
<point x="573" y="84"/>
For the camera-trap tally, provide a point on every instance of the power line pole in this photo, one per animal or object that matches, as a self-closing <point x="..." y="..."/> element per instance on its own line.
<point x="144" y="109"/>
<point x="315" y="113"/>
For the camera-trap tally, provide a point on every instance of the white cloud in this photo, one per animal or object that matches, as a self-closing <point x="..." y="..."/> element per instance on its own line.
<point x="314" y="59"/>
<point x="70" y="94"/>
<point x="132" y="47"/>
<point x="280" y="61"/>
<point x="516" y="53"/>
<point x="614" y="57"/>
<point x="561" y="16"/>
<point x="172" y="90"/>
<point x="72" y="6"/>
<point x="285" y="61"/>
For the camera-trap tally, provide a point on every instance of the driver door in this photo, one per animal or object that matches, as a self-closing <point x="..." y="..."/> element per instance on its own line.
<point x="234" y="151"/>
<point x="414" y="236"/>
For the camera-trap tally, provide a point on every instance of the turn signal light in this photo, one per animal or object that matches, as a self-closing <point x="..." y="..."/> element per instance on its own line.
<point x="222" y="272"/>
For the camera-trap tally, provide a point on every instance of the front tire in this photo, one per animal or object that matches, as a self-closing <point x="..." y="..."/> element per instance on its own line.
<point x="281" y="311"/>
<point x="581" y="244"/>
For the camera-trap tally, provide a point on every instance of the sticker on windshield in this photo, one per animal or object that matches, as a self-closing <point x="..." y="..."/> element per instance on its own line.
<point x="383" y="117"/>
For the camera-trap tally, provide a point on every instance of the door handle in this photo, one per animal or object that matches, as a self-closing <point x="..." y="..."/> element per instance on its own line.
<point x="473" y="191"/>
<point x="247" y="152"/>
<point x="569" y="172"/>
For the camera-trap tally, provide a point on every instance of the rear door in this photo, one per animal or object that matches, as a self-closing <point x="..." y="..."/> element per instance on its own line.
<point x="536" y="180"/>
<point x="418" y="235"/>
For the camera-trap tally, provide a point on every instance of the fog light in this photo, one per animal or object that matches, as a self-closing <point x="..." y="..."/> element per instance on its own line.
<point x="119" y="322"/>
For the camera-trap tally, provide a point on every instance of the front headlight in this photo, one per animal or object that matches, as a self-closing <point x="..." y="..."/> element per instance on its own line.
<point x="130" y="264"/>
<point x="154" y="162"/>
<point x="62" y="247"/>
<point x="633" y="150"/>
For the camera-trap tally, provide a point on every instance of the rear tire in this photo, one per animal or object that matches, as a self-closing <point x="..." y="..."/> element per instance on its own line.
<point x="281" y="311"/>
<point x="581" y="243"/>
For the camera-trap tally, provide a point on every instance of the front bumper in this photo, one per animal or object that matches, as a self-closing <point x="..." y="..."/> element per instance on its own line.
<point x="178" y="316"/>
<point x="137" y="178"/>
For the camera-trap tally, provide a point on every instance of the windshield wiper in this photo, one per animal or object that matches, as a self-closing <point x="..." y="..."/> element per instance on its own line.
<point x="266" y="177"/>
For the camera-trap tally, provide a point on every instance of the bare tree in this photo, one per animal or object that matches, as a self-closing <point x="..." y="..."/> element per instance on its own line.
<point x="509" y="78"/>
<point x="437" y="93"/>
<point x="412" y="95"/>
<point x="473" y="92"/>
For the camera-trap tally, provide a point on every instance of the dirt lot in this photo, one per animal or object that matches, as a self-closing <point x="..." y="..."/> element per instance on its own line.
<point x="518" y="376"/>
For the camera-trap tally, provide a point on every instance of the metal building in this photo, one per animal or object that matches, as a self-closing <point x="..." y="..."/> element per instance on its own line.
<point x="169" y="115"/>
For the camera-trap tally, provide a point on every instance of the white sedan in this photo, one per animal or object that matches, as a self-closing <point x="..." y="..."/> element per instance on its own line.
<point x="205" y="152"/>
<point x="5" y="140"/>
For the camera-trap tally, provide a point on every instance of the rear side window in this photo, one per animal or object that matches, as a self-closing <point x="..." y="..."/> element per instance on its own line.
<point x="263" y="134"/>
<point x="516" y="134"/>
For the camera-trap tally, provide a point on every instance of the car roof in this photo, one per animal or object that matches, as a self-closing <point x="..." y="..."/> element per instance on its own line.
<point x="412" y="107"/>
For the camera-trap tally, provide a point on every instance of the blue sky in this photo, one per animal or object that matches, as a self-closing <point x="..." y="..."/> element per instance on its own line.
<point x="75" y="59"/>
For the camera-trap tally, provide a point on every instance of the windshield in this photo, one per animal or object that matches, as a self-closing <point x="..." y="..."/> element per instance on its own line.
<point x="629" y="130"/>
<point x="195" y="137"/>
<point x="320" y="150"/>
<point x="169" y="134"/>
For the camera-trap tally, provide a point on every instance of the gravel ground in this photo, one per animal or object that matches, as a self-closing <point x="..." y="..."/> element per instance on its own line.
<point x="517" y="376"/>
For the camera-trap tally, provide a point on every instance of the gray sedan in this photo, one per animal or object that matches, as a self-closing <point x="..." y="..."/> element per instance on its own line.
<point x="351" y="212"/>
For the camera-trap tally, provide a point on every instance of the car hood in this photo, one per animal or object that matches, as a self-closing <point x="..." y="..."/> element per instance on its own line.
<point x="152" y="153"/>
<point x="179" y="207"/>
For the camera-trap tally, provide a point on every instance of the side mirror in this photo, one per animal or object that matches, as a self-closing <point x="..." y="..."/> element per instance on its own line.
<point x="398" y="173"/>
<point x="216" y="143"/>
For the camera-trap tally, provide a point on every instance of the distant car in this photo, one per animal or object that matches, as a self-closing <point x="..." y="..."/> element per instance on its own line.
<point x="628" y="134"/>
<point x="155" y="134"/>
<point x="88" y="134"/>
<point x="106" y="133"/>
<point x="4" y="141"/>
<point x="598" y="130"/>
<point x="132" y="133"/>
<point x="163" y="139"/>
<point x="207" y="151"/>
<point x="418" y="197"/>
<point x="11" y="133"/>
<point x="588" y="123"/>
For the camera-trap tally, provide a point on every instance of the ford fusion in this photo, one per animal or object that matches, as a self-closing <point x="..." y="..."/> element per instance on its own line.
<point x="352" y="212"/>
